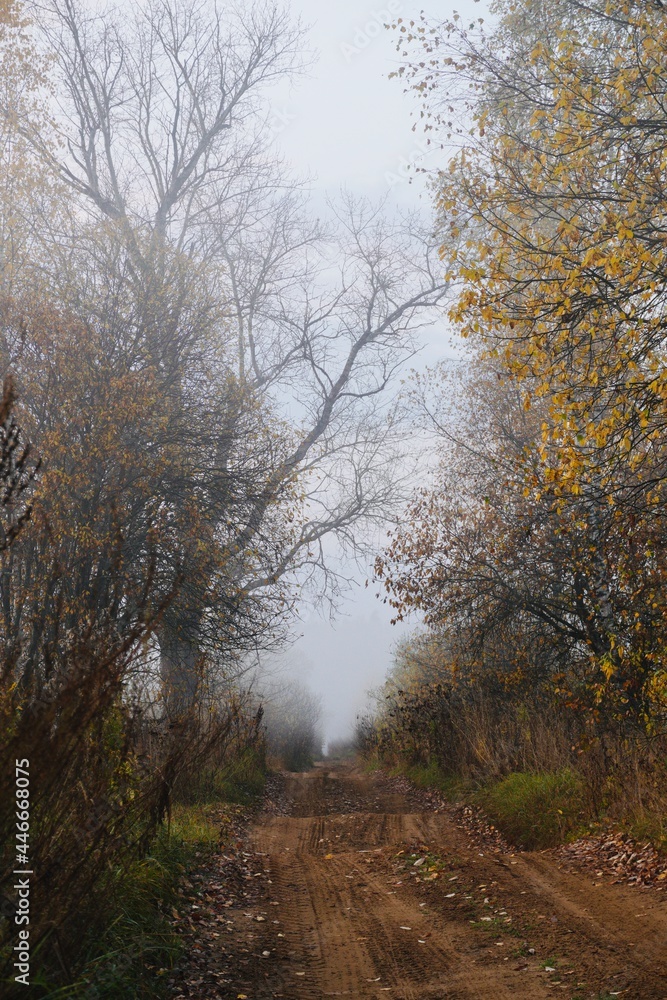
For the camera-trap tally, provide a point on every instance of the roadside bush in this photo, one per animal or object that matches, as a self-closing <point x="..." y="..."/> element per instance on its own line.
<point x="541" y="768"/>
<point x="232" y="766"/>
<point x="535" y="811"/>
<point x="242" y="780"/>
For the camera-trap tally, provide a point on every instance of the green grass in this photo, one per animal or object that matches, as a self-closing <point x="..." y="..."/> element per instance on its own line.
<point x="133" y="945"/>
<point x="140" y="946"/>
<point x="433" y="865"/>
<point x="536" y="811"/>
<point x="432" y="776"/>
<point x="647" y="825"/>
<point x="241" y="781"/>
<point x="496" y="926"/>
<point x="429" y="775"/>
<point x="197" y="827"/>
<point x="371" y="762"/>
<point x="137" y="946"/>
<point x="532" y="810"/>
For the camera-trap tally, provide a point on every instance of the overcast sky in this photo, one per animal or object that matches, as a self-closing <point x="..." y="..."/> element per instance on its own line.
<point x="348" y="125"/>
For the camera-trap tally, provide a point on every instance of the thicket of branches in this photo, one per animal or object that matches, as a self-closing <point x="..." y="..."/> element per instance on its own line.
<point x="537" y="554"/>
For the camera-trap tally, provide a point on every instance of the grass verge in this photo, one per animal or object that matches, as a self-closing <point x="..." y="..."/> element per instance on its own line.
<point x="532" y="810"/>
<point x="536" y="811"/>
<point x="432" y="776"/>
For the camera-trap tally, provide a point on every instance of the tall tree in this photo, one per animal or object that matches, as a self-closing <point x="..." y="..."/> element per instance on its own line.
<point x="194" y="243"/>
<point x="550" y="219"/>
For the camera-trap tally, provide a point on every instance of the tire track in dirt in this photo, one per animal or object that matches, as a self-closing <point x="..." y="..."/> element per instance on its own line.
<point x="355" y="940"/>
<point x="620" y="920"/>
<point x="346" y="913"/>
<point x="346" y="932"/>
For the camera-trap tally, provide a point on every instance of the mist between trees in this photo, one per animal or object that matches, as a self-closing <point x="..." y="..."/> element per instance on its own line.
<point x="536" y="557"/>
<point x="199" y="390"/>
<point x="292" y="715"/>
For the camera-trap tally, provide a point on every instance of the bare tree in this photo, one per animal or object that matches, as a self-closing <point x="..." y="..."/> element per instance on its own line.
<point x="161" y="112"/>
<point x="326" y="325"/>
<point x="156" y="102"/>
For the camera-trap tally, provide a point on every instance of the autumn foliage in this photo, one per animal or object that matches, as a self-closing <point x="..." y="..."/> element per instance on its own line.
<point x="536" y="555"/>
<point x="200" y="377"/>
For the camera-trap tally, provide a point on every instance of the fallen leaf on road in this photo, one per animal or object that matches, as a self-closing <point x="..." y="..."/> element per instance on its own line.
<point x="618" y="856"/>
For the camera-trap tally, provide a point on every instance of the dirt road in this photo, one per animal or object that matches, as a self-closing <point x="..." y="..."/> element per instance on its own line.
<point x="360" y="891"/>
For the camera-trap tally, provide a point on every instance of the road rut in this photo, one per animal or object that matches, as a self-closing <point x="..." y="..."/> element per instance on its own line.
<point x="367" y="893"/>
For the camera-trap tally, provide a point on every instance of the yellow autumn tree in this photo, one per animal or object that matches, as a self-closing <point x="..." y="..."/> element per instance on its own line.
<point x="556" y="233"/>
<point x="552" y="221"/>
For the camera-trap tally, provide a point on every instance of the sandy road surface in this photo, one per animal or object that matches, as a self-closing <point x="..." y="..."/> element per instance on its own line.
<point x="341" y="909"/>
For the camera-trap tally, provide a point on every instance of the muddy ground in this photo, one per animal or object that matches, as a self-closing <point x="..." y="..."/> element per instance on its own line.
<point x="354" y="885"/>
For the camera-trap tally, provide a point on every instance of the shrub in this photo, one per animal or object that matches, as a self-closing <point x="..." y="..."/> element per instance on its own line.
<point x="537" y="810"/>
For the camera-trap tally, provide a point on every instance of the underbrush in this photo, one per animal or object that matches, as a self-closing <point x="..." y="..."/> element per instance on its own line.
<point x="647" y="825"/>
<point x="432" y="775"/>
<point x="536" y="811"/>
<point x="531" y="810"/>
<point x="140" y="945"/>
<point x="131" y="944"/>
<point x="240" y="780"/>
<point x="544" y="774"/>
<point x="128" y="940"/>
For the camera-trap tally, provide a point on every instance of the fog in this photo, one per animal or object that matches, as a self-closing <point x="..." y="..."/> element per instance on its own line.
<point x="349" y="125"/>
<point x="343" y="660"/>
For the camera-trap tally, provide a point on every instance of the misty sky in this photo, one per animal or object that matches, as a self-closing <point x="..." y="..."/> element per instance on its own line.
<point x="348" y="125"/>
